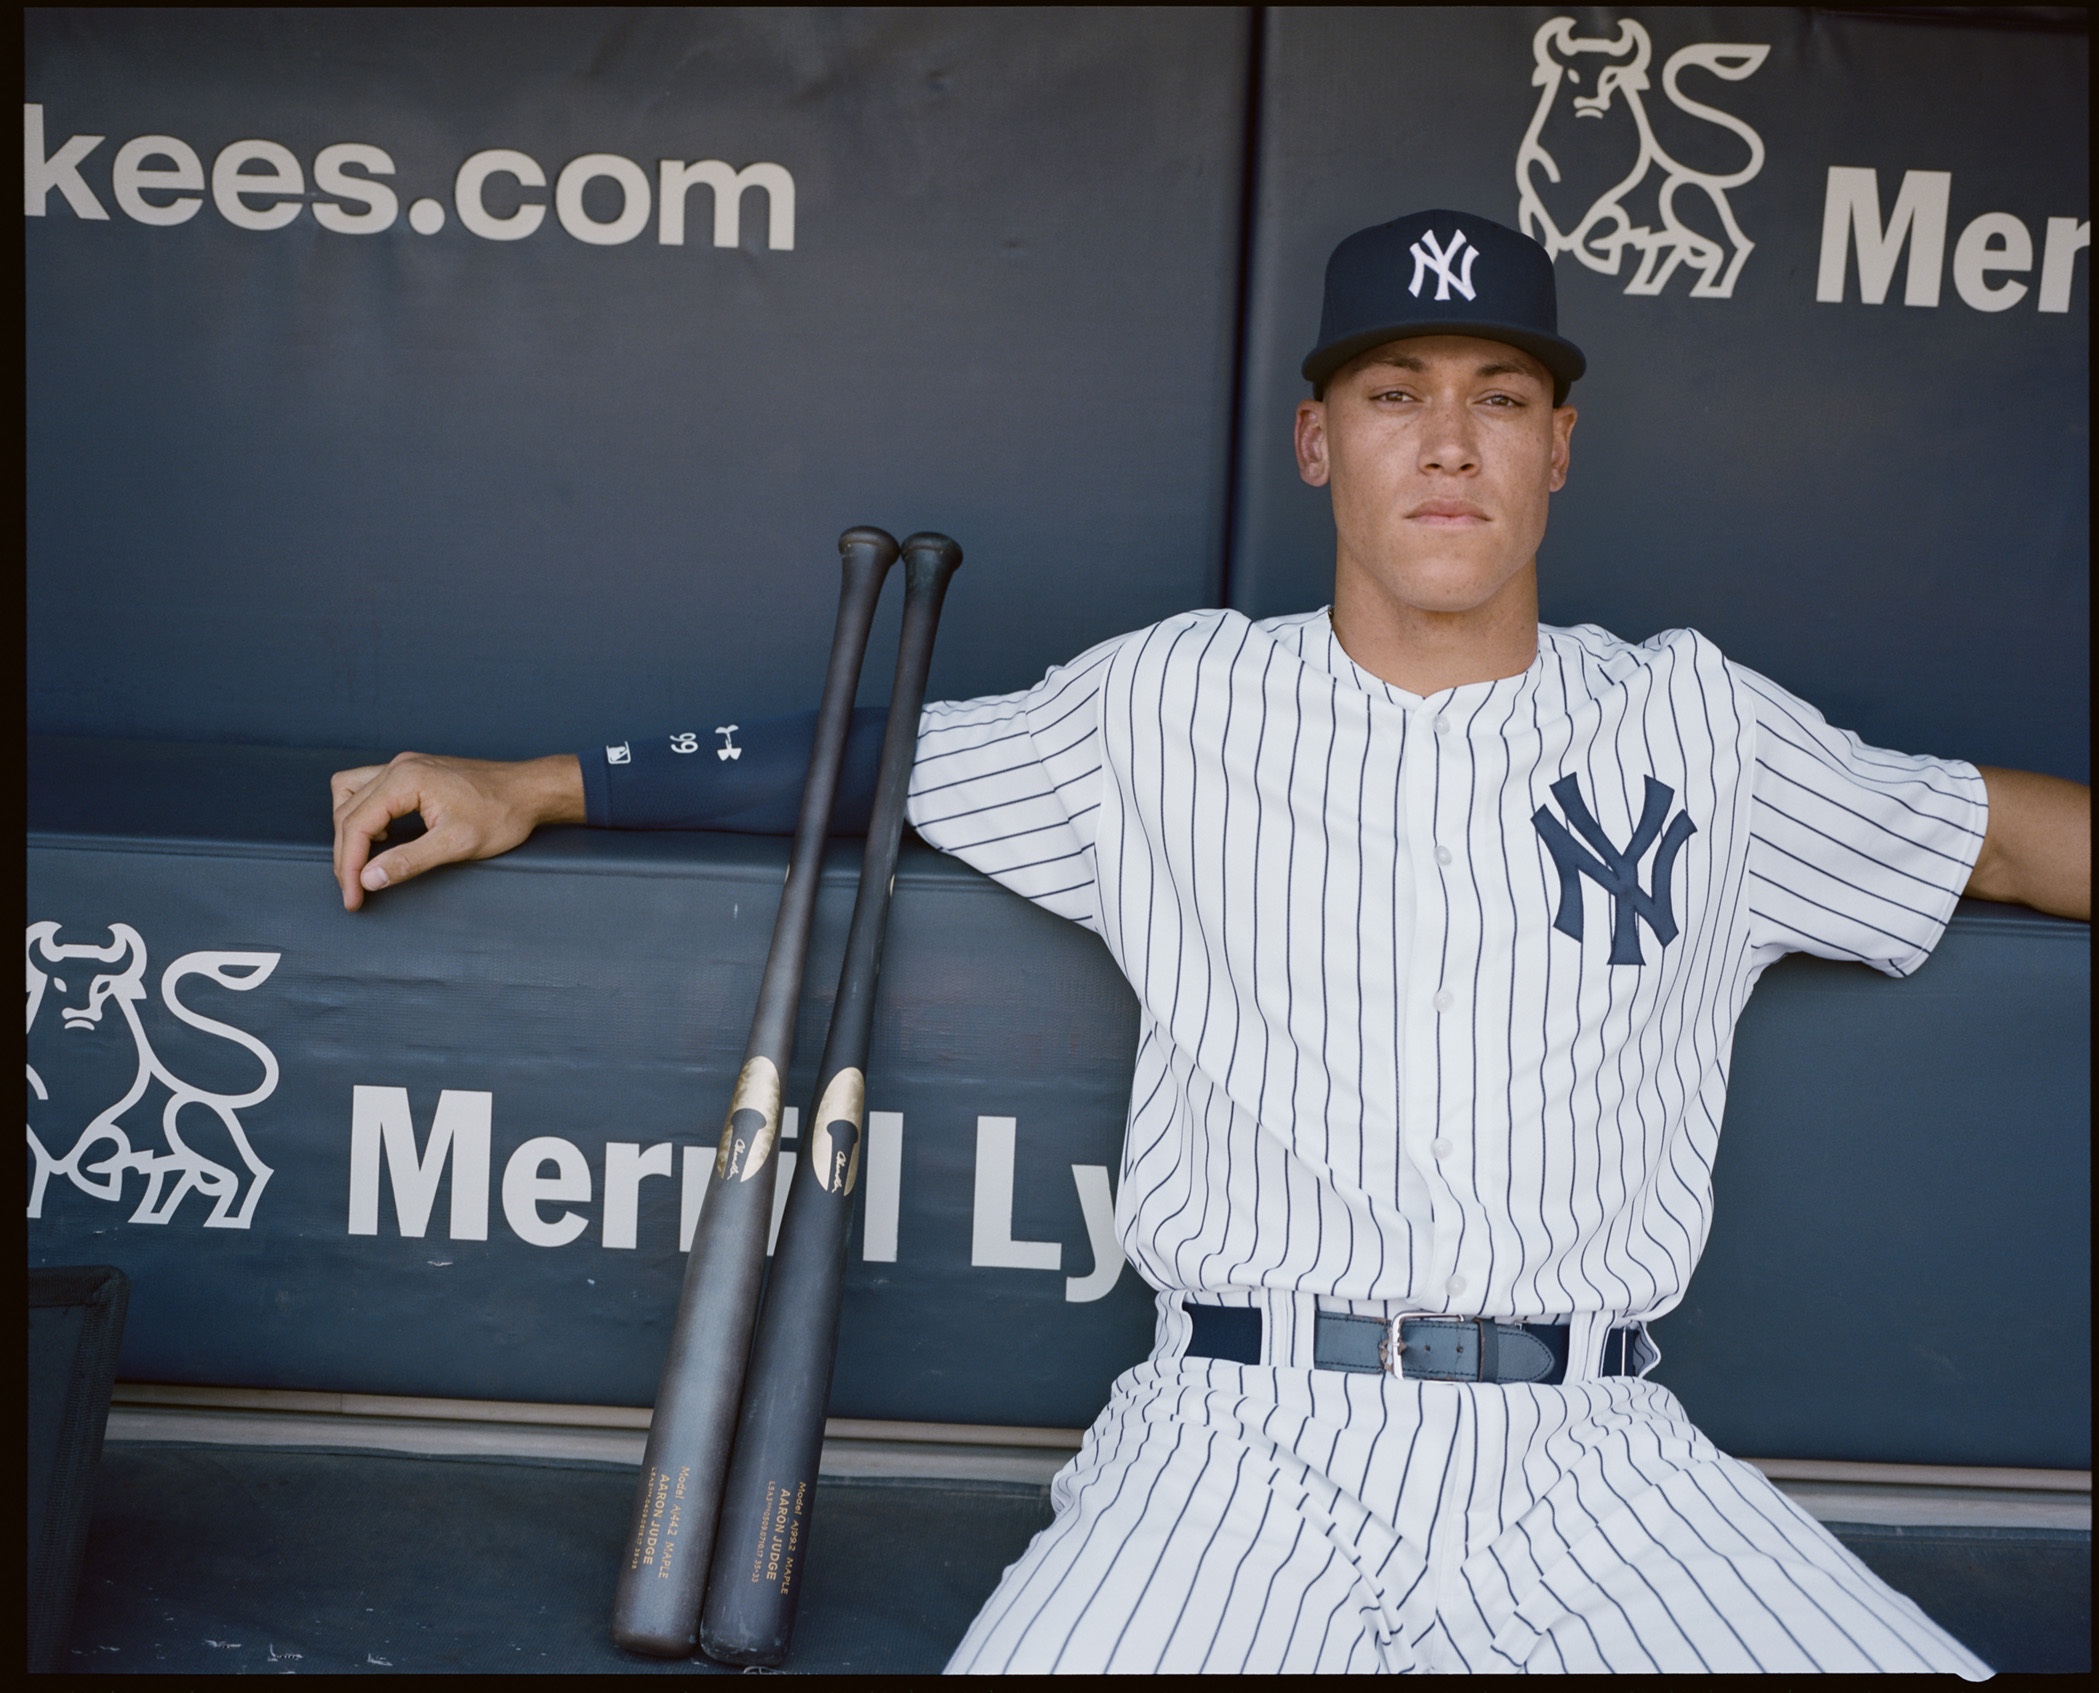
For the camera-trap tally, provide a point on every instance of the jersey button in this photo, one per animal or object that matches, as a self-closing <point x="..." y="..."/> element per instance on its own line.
<point x="1444" y="1000"/>
<point x="1442" y="725"/>
<point x="1455" y="1286"/>
<point x="1440" y="1147"/>
<point x="1443" y="855"/>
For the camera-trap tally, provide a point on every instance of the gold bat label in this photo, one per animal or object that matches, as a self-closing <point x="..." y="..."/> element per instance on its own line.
<point x="753" y="1128"/>
<point x="834" y="1149"/>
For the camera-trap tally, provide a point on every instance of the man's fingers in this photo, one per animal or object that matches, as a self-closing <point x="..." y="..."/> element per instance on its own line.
<point x="409" y="860"/>
<point x="364" y="822"/>
<point x="346" y="785"/>
<point x="345" y="789"/>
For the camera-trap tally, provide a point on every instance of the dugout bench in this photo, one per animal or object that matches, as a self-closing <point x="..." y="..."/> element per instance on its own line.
<point x="399" y="1432"/>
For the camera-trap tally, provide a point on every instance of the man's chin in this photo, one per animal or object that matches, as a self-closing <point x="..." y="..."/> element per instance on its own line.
<point x="1450" y="588"/>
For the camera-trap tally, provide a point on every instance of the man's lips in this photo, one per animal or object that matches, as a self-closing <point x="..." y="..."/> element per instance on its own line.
<point x="1446" y="514"/>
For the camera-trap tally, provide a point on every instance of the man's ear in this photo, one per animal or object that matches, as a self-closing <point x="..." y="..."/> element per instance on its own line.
<point x="1563" y="421"/>
<point x="1311" y="442"/>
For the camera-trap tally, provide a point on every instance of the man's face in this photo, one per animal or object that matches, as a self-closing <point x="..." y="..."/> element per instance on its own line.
<point x="1441" y="453"/>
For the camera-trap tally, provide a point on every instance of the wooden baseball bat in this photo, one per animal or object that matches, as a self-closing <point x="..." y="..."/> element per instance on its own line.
<point x="761" y="1549"/>
<point x="664" y="1573"/>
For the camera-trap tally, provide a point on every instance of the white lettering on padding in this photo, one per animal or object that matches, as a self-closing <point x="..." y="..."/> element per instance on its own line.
<point x="473" y="178"/>
<point x="1852" y="207"/>
<point x="61" y="170"/>
<point x="627" y="1165"/>
<point x="381" y="1125"/>
<point x="525" y="1190"/>
<point x="884" y="1186"/>
<point x="991" y="1242"/>
<point x="675" y="177"/>
<point x="1097" y="1202"/>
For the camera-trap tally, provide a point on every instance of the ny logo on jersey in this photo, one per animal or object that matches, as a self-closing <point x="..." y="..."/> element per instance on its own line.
<point x="1439" y="260"/>
<point x="1616" y="872"/>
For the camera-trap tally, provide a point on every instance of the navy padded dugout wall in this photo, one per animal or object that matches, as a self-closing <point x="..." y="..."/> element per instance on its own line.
<point x="1885" y="508"/>
<point x="505" y="496"/>
<point x="1904" y="1163"/>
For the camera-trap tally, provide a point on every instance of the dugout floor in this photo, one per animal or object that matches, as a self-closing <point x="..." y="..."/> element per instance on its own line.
<point x="215" y="1559"/>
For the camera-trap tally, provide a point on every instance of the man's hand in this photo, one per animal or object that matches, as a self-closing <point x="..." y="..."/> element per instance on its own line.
<point x="473" y="808"/>
<point x="2037" y="850"/>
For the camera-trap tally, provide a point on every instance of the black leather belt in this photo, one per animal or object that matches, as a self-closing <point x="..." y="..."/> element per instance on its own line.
<point x="1430" y="1348"/>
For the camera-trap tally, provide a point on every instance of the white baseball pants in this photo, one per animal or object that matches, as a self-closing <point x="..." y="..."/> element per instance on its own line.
<point x="1276" y="1518"/>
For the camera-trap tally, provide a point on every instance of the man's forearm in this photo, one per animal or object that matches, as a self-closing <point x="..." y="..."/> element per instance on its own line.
<point x="2038" y="849"/>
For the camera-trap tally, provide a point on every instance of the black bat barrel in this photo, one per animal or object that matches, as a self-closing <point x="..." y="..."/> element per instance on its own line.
<point x="761" y="1550"/>
<point x="664" y="1572"/>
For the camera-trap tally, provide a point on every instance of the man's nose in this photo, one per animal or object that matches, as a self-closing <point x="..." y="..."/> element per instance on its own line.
<point x="1450" y="445"/>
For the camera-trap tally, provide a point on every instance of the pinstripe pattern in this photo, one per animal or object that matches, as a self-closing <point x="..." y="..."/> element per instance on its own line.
<point x="1373" y="1074"/>
<point x="1238" y="1519"/>
<point x="1369" y="1066"/>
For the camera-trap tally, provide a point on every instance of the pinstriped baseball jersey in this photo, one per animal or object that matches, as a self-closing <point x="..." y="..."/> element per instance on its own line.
<point x="1437" y="994"/>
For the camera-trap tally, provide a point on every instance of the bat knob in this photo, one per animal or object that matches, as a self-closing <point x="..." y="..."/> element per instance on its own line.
<point x="864" y="537"/>
<point x="867" y="536"/>
<point x="928" y="549"/>
<point x="865" y="554"/>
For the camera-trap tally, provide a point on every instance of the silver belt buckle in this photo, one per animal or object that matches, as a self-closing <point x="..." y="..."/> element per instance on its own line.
<point x="1392" y="1345"/>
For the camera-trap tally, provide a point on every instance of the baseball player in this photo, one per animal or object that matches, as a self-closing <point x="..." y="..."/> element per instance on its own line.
<point x="1439" y="921"/>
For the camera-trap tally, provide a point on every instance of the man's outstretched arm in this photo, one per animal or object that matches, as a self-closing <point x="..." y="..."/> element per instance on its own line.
<point x="2037" y="849"/>
<point x="475" y="808"/>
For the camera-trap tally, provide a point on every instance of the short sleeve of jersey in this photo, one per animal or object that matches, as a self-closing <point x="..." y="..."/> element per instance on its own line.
<point x="1855" y="852"/>
<point x="1011" y="784"/>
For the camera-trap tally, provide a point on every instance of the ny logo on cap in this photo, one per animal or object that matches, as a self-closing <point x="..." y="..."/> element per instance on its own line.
<point x="1439" y="260"/>
<point x="1616" y="872"/>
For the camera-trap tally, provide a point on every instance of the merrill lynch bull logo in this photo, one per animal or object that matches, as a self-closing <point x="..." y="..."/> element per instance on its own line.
<point x="1601" y="235"/>
<point x="83" y="982"/>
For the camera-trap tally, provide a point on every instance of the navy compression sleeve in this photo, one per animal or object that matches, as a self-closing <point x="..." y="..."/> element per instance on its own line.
<point x="746" y="778"/>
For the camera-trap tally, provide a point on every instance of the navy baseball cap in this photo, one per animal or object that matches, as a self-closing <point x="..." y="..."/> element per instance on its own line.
<point x="1441" y="273"/>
